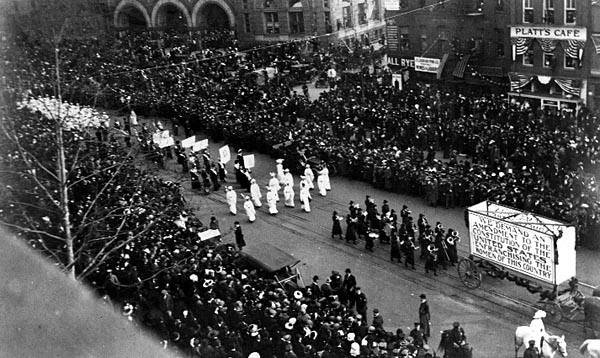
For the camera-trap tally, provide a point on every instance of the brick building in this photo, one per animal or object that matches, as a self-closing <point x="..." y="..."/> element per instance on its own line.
<point x="451" y="42"/>
<point x="555" y="63"/>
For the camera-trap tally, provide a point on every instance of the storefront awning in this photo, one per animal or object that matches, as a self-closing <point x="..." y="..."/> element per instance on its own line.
<point x="461" y="66"/>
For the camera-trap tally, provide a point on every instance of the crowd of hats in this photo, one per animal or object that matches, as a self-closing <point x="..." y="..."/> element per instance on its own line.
<point x="517" y="156"/>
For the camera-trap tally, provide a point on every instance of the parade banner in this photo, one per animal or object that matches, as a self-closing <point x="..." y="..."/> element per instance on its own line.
<point x="166" y="142"/>
<point x="249" y="161"/>
<point x="203" y="144"/>
<point x="426" y="64"/>
<point x="534" y="246"/>
<point x="188" y="142"/>
<point x="224" y="154"/>
<point x="208" y="234"/>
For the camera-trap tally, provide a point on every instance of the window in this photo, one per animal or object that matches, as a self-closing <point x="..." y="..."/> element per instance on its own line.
<point x="570" y="16"/>
<point x="499" y="5"/>
<point x="548" y="11"/>
<point x="527" y="11"/>
<point x="296" y="22"/>
<point x="404" y="42"/>
<point x="247" y="27"/>
<point x="570" y="62"/>
<point x="404" y="4"/>
<point x="549" y="60"/>
<point x="271" y="23"/>
<point x="328" y="27"/>
<point x="362" y="15"/>
<point x="245" y="4"/>
<point x="347" y="16"/>
<point x="528" y="58"/>
<point x="326" y="4"/>
<point x="375" y="14"/>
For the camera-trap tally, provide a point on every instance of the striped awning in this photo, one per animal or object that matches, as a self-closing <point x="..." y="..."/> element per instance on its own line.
<point x="596" y="40"/>
<point x="461" y="66"/>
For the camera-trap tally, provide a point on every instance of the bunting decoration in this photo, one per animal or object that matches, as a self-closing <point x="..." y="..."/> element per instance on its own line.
<point x="519" y="80"/>
<point x="520" y="45"/>
<point x="572" y="48"/>
<point x="596" y="41"/>
<point x="548" y="45"/>
<point x="570" y="86"/>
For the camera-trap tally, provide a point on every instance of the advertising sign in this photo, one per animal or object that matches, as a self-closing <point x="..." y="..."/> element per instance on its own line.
<point x="534" y="246"/>
<point x="550" y="32"/>
<point x="425" y="64"/>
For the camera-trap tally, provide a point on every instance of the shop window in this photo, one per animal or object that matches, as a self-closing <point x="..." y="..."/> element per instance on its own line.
<point x="271" y="23"/>
<point x="527" y="11"/>
<point x="528" y="58"/>
<point x="245" y="4"/>
<point x="548" y="12"/>
<point x="328" y="27"/>
<point x="326" y="4"/>
<point x="570" y="62"/>
<point x="499" y="5"/>
<point x="347" y="16"/>
<point x="570" y="12"/>
<point x="549" y="60"/>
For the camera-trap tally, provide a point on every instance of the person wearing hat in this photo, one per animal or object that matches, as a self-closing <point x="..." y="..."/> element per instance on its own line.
<point x="305" y="197"/>
<point x="452" y="240"/>
<point x="417" y="335"/>
<point x="348" y="287"/>
<point x="457" y="336"/>
<point x="321" y="181"/>
<point x="424" y="317"/>
<point x="272" y="200"/>
<point x="288" y="195"/>
<point x="255" y="193"/>
<point x="537" y="326"/>
<point x="378" y="321"/>
<point x="279" y="169"/>
<point x="532" y="351"/>
<point x="361" y="302"/>
<point x="274" y="185"/>
<point x="239" y="235"/>
<point x="249" y="208"/>
<point x="288" y="178"/>
<point x="432" y="259"/>
<point x="231" y="197"/>
<point x="309" y="177"/>
<point x="315" y="288"/>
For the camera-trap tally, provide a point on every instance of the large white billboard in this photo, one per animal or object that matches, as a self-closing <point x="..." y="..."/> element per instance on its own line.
<point x="531" y="245"/>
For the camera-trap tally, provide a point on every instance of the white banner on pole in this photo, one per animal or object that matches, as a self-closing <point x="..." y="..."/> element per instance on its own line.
<point x="224" y="154"/>
<point x="200" y="145"/>
<point x="249" y="161"/>
<point x="188" y="142"/>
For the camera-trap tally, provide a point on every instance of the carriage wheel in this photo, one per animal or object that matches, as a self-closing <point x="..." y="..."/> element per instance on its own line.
<point x="554" y="312"/>
<point x="469" y="273"/>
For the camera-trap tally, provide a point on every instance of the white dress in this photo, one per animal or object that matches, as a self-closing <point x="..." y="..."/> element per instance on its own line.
<point x="272" y="202"/>
<point x="288" y="195"/>
<point x="256" y="195"/>
<point x="274" y="187"/>
<point x="280" y="173"/>
<point x="310" y="177"/>
<point x="325" y="172"/>
<point x="321" y="183"/>
<point x="288" y="178"/>
<point x="250" y="212"/>
<point x="305" y="198"/>
<point x="538" y="330"/>
<point x="232" y="201"/>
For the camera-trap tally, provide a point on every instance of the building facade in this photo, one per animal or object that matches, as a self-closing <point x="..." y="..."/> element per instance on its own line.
<point x="257" y="20"/>
<point x="555" y="63"/>
<point x="451" y="42"/>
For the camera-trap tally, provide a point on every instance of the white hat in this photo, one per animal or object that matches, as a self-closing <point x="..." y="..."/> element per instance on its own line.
<point x="350" y="336"/>
<point x="539" y="314"/>
<point x="279" y="161"/>
<point x="355" y="349"/>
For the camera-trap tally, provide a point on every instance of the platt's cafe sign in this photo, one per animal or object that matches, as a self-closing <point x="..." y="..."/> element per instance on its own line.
<point x="522" y="242"/>
<point x="549" y="32"/>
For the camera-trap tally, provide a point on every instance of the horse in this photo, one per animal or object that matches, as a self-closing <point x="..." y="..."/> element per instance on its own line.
<point x="590" y="348"/>
<point x="448" y="350"/>
<point x="547" y="344"/>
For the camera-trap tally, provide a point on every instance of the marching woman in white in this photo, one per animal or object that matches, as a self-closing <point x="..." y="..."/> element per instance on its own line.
<point x="288" y="195"/>
<point x="321" y="182"/>
<point x="310" y="177"/>
<point x="325" y="172"/>
<point x="255" y="193"/>
<point x="274" y="186"/>
<point x="250" y="211"/>
<point x="279" y="169"/>
<point x="288" y="178"/>
<point x="272" y="201"/>
<point x="231" y="196"/>
<point x="305" y="197"/>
